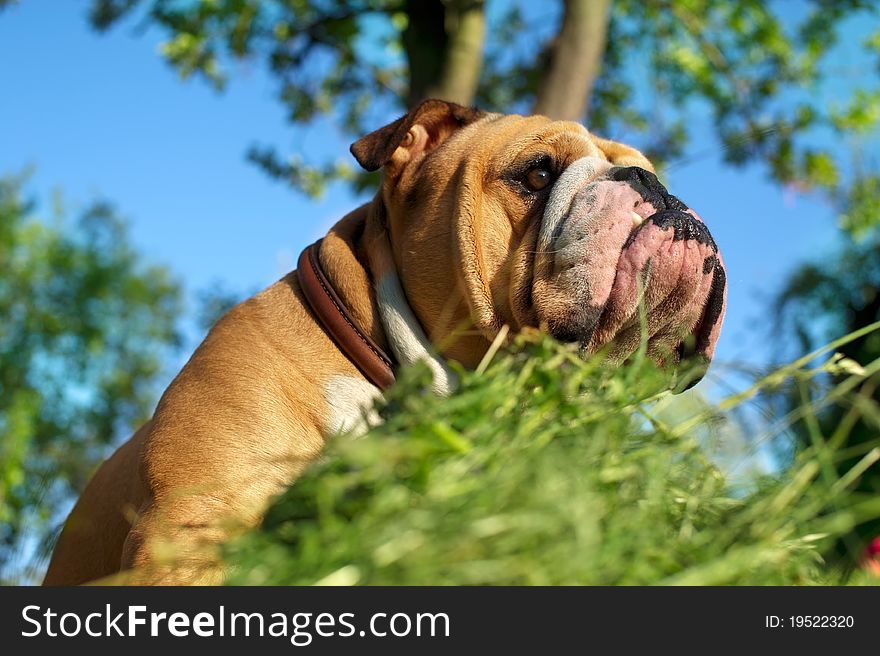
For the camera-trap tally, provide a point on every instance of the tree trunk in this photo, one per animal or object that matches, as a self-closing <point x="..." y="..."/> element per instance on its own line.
<point x="575" y="60"/>
<point x="444" y="48"/>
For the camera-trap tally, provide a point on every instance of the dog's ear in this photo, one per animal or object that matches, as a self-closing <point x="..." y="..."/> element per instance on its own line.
<point x="622" y="155"/>
<point x="418" y="132"/>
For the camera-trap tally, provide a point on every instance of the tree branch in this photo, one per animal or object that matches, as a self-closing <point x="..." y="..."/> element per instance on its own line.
<point x="575" y="60"/>
<point x="444" y="48"/>
<point x="466" y="29"/>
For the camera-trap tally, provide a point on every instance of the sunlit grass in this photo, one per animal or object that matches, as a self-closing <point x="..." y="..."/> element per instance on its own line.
<point x="547" y="469"/>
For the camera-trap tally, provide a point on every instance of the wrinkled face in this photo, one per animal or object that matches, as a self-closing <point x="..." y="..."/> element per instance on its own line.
<point x="533" y="222"/>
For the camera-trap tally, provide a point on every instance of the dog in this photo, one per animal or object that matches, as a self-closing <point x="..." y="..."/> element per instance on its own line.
<point x="483" y="220"/>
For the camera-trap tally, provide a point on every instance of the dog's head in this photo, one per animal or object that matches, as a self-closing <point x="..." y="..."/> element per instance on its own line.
<point x="501" y="219"/>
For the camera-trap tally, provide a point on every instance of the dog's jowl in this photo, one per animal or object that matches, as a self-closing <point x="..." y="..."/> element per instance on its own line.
<point x="482" y="221"/>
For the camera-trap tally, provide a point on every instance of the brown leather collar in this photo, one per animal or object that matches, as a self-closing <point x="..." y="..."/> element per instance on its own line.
<point x="338" y="323"/>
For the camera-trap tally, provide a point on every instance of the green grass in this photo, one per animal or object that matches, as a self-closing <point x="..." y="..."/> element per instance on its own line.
<point x="547" y="469"/>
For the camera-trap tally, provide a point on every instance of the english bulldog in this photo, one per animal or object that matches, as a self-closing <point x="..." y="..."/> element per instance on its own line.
<point x="482" y="221"/>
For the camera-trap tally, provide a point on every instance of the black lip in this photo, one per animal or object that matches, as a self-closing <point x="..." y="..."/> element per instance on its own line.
<point x="649" y="187"/>
<point x="692" y="352"/>
<point x="686" y="227"/>
<point x="712" y="312"/>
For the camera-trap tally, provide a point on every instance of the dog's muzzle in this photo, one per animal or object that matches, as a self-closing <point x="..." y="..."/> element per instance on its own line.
<point x="671" y="263"/>
<point x="637" y="263"/>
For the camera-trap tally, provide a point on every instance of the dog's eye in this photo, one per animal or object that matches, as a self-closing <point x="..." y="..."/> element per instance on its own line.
<point x="538" y="178"/>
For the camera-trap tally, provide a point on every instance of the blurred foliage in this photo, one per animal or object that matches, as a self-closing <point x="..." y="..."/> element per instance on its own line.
<point x="860" y="205"/>
<point x="835" y="296"/>
<point x="759" y="70"/>
<point x="549" y="469"/>
<point x="87" y="327"/>
<point x="214" y="302"/>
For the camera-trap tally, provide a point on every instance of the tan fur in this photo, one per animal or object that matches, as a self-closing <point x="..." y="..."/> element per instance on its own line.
<point x="481" y="232"/>
<point x="247" y="414"/>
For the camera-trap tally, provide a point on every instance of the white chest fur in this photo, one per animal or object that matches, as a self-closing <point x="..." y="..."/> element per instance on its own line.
<point x="350" y="403"/>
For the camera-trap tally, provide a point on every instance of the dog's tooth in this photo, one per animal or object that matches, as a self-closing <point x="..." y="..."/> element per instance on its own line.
<point x="637" y="219"/>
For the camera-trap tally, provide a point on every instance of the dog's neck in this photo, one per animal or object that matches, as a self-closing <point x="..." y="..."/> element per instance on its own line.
<point x="356" y="256"/>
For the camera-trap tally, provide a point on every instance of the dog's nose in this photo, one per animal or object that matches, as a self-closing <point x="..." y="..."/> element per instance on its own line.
<point x="648" y="187"/>
<point x="669" y="211"/>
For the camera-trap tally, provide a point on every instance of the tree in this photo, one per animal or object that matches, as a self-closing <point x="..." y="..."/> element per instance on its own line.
<point x="87" y="326"/>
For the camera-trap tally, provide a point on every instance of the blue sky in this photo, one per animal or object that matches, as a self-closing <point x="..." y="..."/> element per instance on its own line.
<point x="104" y="116"/>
